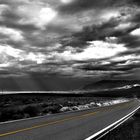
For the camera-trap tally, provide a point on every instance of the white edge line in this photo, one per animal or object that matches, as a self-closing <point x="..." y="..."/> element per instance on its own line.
<point x="99" y="132"/>
<point x="115" y="127"/>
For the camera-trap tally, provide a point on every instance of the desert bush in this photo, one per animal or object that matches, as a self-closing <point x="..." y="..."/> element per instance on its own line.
<point x="2" y="104"/>
<point x="32" y="110"/>
<point x="55" y="108"/>
<point x="27" y="101"/>
<point x="66" y="108"/>
<point x="44" y="105"/>
<point x="52" y="109"/>
<point x="11" y="114"/>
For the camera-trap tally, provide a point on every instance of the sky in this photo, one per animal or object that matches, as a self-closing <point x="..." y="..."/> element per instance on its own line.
<point x="64" y="44"/>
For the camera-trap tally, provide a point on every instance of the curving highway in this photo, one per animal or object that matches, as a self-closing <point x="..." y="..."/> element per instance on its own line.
<point x="78" y="125"/>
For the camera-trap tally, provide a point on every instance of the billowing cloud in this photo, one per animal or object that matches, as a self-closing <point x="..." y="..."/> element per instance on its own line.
<point x="40" y="16"/>
<point x="3" y="7"/>
<point x="136" y="32"/>
<point x="95" y="50"/>
<point x="12" y="33"/>
<point x="70" y="38"/>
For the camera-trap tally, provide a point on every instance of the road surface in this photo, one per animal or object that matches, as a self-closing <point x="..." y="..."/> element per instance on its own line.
<point x="79" y="125"/>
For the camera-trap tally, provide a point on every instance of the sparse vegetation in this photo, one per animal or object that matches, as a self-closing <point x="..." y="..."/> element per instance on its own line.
<point x="14" y="107"/>
<point x="32" y="111"/>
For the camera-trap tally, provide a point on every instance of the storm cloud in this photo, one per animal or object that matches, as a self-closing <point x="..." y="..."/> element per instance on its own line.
<point x="76" y="39"/>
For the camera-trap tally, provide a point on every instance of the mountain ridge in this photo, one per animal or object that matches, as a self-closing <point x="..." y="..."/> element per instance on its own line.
<point x="110" y="84"/>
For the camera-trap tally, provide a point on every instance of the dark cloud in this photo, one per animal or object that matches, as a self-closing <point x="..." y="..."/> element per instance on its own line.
<point x="137" y="2"/>
<point x="94" y="32"/>
<point x="11" y="19"/>
<point x="102" y="31"/>
<point x="56" y="51"/>
<point x="25" y="28"/>
<point x="129" y="75"/>
<point x="136" y="18"/>
<point x="82" y="5"/>
<point x="130" y="41"/>
<point x="10" y="15"/>
<point x="114" y="69"/>
<point x="130" y="52"/>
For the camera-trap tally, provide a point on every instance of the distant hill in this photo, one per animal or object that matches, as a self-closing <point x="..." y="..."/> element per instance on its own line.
<point x="110" y="84"/>
<point x="131" y="92"/>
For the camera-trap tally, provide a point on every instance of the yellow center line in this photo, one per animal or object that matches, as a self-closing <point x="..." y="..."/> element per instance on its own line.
<point x="48" y="123"/>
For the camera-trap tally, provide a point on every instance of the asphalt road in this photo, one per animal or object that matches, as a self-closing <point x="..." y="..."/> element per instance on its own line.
<point x="77" y="125"/>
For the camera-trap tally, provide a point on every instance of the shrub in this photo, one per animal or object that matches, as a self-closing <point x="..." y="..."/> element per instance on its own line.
<point x="55" y="108"/>
<point x="11" y="114"/>
<point x="44" y="105"/>
<point x="52" y="109"/>
<point x="66" y="108"/>
<point x="27" y="101"/>
<point x="32" y="110"/>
